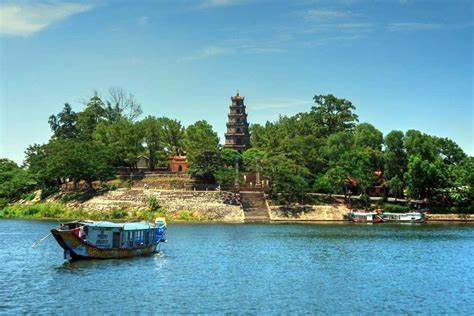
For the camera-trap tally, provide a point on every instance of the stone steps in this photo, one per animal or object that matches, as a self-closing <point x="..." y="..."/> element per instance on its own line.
<point x="254" y="205"/>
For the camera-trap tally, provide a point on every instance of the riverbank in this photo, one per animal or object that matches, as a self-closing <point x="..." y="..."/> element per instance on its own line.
<point x="180" y="205"/>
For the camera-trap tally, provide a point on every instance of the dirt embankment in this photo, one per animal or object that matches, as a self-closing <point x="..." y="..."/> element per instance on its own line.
<point x="211" y="205"/>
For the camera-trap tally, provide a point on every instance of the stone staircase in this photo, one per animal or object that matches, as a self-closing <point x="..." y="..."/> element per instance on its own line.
<point x="254" y="205"/>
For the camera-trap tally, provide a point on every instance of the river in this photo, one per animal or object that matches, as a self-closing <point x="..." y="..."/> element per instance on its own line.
<point x="252" y="269"/>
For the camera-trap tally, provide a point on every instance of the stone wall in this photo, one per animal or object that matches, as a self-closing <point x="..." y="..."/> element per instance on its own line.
<point x="213" y="205"/>
<point x="328" y="212"/>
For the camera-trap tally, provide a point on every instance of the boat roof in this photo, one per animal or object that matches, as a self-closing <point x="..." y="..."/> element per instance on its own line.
<point x="364" y="213"/>
<point x="124" y="226"/>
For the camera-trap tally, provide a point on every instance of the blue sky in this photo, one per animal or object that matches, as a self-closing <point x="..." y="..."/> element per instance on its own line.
<point x="404" y="64"/>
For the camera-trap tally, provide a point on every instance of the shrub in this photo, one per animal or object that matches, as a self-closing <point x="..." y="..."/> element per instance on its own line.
<point x="47" y="191"/>
<point x="186" y="215"/>
<point x="153" y="204"/>
<point x="395" y="208"/>
<point x="28" y="196"/>
<point x="118" y="214"/>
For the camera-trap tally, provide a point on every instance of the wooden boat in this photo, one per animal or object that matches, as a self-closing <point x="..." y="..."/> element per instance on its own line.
<point x="107" y="240"/>
<point x="408" y="217"/>
<point x="365" y="217"/>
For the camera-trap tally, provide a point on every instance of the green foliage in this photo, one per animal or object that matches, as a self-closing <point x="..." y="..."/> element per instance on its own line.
<point x="333" y="115"/>
<point x="395" y="156"/>
<point x="186" y="216"/>
<point x="14" y="181"/>
<point x="28" y="196"/>
<point x="153" y="204"/>
<point x="225" y="177"/>
<point x="123" y="139"/>
<point x="395" y="208"/>
<point x="173" y="136"/>
<point x="202" y="149"/>
<point x="230" y="156"/>
<point x="152" y="129"/>
<point x="41" y="210"/>
<point x="366" y="135"/>
<point x="289" y="182"/>
<point x="253" y="158"/>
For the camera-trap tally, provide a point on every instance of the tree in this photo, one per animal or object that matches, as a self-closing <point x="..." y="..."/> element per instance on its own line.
<point x="395" y="157"/>
<point x="13" y="181"/>
<point x="173" y="136"/>
<point x="422" y="145"/>
<point x="421" y="177"/>
<point x="450" y="152"/>
<point x="333" y="115"/>
<point x="395" y="186"/>
<point x="205" y="165"/>
<point x="153" y="130"/>
<point x="253" y="158"/>
<point x="230" y="156"/>
<point x="124" y="140"/>
<point x="288" y="179"/>
<point x="366" y="135"/>
<point x="200" y="138"/>
<point x="93" y="114"/>
<point x="64" y="124"/>
<point x="122" y="105"/>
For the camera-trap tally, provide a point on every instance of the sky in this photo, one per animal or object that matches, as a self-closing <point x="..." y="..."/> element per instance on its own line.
<point x="404" y="64"/>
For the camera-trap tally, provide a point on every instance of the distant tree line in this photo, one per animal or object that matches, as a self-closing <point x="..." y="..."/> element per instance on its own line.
<point x="322" y="150"/>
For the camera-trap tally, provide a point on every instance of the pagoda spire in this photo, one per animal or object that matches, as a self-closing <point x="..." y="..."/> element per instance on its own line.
<point x="237" y="136"/>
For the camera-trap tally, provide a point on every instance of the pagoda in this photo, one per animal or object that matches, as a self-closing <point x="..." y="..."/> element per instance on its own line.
<point x="237" y="136"/>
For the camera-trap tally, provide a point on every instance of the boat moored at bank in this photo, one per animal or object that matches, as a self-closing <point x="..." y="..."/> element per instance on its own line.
<point x="408" y="217"/>
<point x="365" y="217"/>
<point x="107" y="240"/>
<point x="382" y="217"/>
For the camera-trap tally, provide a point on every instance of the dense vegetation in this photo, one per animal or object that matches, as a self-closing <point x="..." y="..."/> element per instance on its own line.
<point x="323" y="150"/>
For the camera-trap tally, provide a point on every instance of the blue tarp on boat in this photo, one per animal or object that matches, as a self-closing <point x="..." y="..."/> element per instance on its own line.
<point x="136" y="226"/>
<point x="124" y="226"/>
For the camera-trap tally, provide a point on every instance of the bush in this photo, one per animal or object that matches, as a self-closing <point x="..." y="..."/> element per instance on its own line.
<point x="153" y="204"/>
<point x="4" y="202"/>
<point x="186" y="216"/>
<point x="47" y="191"/>
<point x="118" y="214"/>
<point x="28" y="196"/>
<point x="395" y="208"/>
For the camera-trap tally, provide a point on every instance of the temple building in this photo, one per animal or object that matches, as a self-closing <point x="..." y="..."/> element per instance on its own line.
<point x="237" y="136"/>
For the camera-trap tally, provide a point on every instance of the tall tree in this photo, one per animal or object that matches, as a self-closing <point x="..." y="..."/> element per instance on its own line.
<point x="173" y="136"/>
<point x="202" y="150"/>
<point x="13" y="181"/>
<point x="122" y="105"/>
<point x="64" y="124"/>
<point x="332" y="114"/>
<point x="124" y="140"/>
<point x="152" y="130"/>
<point x="93" y="114"/>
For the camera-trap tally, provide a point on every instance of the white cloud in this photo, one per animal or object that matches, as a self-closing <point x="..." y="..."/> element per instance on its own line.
<point x="27" y="19"/>
<point x="414" y="26"/>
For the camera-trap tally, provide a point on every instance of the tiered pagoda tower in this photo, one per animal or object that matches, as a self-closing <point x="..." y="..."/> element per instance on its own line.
<point x="237" y="136"/>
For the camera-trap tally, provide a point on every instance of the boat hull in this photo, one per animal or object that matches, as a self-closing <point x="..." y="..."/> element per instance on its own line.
<point x="80" y="249"/>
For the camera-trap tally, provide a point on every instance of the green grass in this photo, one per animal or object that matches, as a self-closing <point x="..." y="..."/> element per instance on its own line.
<point x="62" y="211"/>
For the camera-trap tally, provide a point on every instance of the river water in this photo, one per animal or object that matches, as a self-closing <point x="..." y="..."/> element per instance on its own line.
<point x="251" y="269"/>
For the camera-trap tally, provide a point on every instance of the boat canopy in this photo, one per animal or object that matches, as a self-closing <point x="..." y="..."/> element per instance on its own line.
<point x="124" y="226"/>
